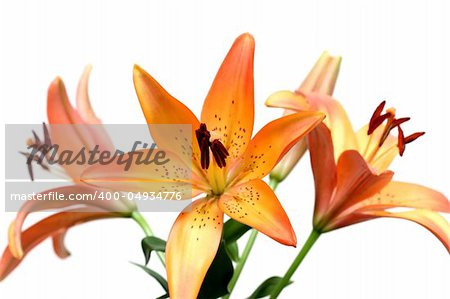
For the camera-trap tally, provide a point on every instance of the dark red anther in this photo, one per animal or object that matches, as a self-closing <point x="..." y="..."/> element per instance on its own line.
<point x="399" y="121"/>
<point x="401" y="141"/>
<point x="413" y="137"/>
<point x="377" y="119"/>
<point x="218" y="150"/>
<point x="220" y="153"/>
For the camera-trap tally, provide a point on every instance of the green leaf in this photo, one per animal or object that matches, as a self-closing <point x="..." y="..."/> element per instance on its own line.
<point x="161" y="280"/>
<point x="266" y="288"/>
<point x="219" y="274"/>
<point x="233" y="230"/>
<point x="232" y="251"/>
<point x="150" y="244"/>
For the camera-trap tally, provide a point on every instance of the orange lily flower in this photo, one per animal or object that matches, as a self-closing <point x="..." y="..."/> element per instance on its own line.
<point x="354" y="185"/>
<point x="227" y="165"/>
<point x="320" y="80"/>
<point x="60" y="111"/>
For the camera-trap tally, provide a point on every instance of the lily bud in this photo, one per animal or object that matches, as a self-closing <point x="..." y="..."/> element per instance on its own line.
<point x="320" y="80"/>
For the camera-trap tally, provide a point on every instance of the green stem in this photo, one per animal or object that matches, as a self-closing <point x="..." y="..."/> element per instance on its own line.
<point x="139" y="218"/>
<point x="243" y="259"/>
<point x="295" y="264"/>
<point x="273" y="183"/>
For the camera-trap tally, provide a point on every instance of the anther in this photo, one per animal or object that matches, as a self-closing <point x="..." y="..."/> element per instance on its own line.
<point x="218" y="150"/>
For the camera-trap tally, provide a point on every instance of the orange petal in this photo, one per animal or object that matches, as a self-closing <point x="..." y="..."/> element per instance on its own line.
<point x="432" y="221"/>
<point x="15" y="229"/>
<point x="62" y="116"/>
<point x="398" y="194"/>
<point x="46" y="228"/>
<point x="58" y="244"/>
<point x="59" y="109"/>
<point x="356" y="181"/>
<point x="160" y="107"/>
<point x="274" y="140"/>
<point x="86" y="112"/>
<point x="254" y="204"/>
<point x="337" y="121"/>
<point x="228" y="109"/>
<point x="171" y="176"/>
<point x="192" y="246"/>
<point x="83" y="103"/>
<point x="288" y="100"/>
<point x="323" y="167"/>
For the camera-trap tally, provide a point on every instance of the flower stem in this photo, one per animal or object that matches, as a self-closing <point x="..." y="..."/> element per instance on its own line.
<point x="139" y="218"/>
<point x="243" y="259"/>
<point x="273" y="183"/>
<point x="313" y="237"/>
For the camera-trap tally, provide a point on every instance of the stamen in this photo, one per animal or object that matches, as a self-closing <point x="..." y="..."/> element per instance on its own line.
<point x="218" y="150"/>
<point x="403" y="141"/>
<point x="40" y="147"/>
<point x="220" y="153"/>
<point x="377" y="119"/>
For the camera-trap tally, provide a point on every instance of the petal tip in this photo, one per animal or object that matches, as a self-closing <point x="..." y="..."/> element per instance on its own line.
<point x="137" y="70"/>
<point x="14" y="244"/>
<point x="246" y="38"/>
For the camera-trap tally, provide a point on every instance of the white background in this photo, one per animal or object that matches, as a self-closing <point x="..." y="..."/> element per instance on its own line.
<point x="395" y="51"/>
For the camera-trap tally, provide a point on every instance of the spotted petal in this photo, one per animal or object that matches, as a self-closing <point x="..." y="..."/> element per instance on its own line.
<point x="228" y="109"/>
<point x="192" y="246"/>
<point x="273" y="141"/>
<point x="254" y="204"/>
<point x="161" y="108"/>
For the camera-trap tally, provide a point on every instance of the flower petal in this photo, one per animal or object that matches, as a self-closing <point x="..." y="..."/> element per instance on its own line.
<point x="399" y="194"/>
<point x="160" y="107"/>
<point x="228" y="109"/>
<point x="47" y="228"/>
<point x="337" y="121"/>
<point x="323" y="75"/>
<point x="356" y="181"/>
<point x="255" y="204"/>
<point x="83" y="103"/>
<point x="171" y="176"/>
<point x="58" y="244"/>
<point x="288" y="100"/>
<point x="86" y="112"/>
<point x="323" y="166"/>
<point x="15" y="228"/>
<point x="432" y="221"/>
<point x="192" y="246"/>
<point x="61" y="116"/>
<point x="273" y="141"/>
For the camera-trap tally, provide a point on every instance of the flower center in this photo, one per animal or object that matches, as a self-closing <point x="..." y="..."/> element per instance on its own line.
<point x="392" y="122"/>
<point x="205" y="144"/>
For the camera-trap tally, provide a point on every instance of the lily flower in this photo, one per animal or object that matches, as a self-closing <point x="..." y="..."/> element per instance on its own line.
<point x="321" y="80"/>
<point x="67" y="136"/>
<point x="353" y="186"/>
<point x="227" y="165"/>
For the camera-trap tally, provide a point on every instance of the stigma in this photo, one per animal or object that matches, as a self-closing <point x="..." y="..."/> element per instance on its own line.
<point x="392" y="122"/>
<point x="205" y="144"/>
